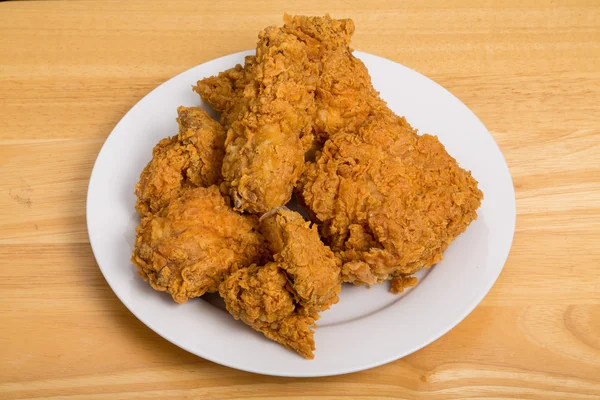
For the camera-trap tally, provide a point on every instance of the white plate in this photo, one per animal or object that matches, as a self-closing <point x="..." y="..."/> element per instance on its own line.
<point x="366" y="328"/>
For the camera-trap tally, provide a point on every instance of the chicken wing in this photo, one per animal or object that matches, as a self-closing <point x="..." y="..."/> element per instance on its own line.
<point x="192" y="158"/>
<point x="192" y="244"/>
<point x="312" y="269"/>
<point x="260" y="298"/>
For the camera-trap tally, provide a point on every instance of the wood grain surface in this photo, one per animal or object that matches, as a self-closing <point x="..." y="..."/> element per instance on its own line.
<point x="69" y="71"/>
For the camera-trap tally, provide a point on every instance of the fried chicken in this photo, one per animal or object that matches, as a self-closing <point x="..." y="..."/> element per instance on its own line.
<point x="260" y="298"/>
<point x="192" y="244"/>
<point x="358" y="188"/>
<point x="313" y="270"/>
<point x="282" y="298"/>
<point x="230" y="92"/>
<point x="264" y="149"/>
<point x="390" y="201"/>
<point x="302" y="113"/>
<point x="344" y="97"/>
<point x="192" y="158"/>
<point x="268" y="108"/>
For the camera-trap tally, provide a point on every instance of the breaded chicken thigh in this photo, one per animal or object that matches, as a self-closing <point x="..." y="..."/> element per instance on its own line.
<point x="192" y="244"/>
<point x="390" y="201"/>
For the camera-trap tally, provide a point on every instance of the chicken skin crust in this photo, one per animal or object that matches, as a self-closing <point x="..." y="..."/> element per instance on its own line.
<point x="192" y="158"/>
<point x="258" y="296"/>
<point x="189" y="247"/>
<point x="231" y="91"/>
<point x="390" y="201"/>
<point x="268" y="107"/>
<point x="313" y="270"/>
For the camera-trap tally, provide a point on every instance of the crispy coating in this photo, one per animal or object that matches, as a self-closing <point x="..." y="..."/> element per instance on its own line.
<point x="343" y="96"/>
<point x="260" y="298"/>
<point x="264" y="152"/>
<point x="268" y="107"/>
<point x="390" y="201"/>
<point x="192" y="244"/>
<point x="282" y="298"/>
<point x="400" y="283"/>
<point x="230" y="92"/>
<point x="313" y="270"/>
<point x="192" y="158"/>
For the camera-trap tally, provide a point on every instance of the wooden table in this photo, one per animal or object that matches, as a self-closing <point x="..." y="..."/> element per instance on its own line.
<point x="70" y="70"/>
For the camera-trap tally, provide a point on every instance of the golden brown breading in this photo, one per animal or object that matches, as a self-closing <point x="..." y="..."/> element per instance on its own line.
<point x="192" y="158"/>
<point x="344" y="97"/>
<point x="192" y="244"/>
<point x="282" y="298"/>
<point x="344" y="94"/>
<point x="207" y="138"/>
<point x="390" y="201"/>
<point x="259" y="297"/>
<point x="230" y="92"/>
<point x="264" y="152"/>
<point x="312" y="269"/>
<point x="400" y="283"/>
<point x="268" y="107"/>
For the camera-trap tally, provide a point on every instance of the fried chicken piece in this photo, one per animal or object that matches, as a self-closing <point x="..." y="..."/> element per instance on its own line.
<point x="268" y="107"/>
<point x="230" y="92"/>
<point x="344" y="97"/>
<point x="313" y="270"/>
<point x="282" y="298"/>
<point x="390" y="201"/>
<point x="192" y="158"/>
<point x="264" y="152"/>
<point x="192" y="244"/>
<point x="259" y="297"/>
<point x="344" y="94"/>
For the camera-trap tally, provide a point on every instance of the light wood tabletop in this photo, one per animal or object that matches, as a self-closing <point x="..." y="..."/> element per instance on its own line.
<point x="70" y="70"/>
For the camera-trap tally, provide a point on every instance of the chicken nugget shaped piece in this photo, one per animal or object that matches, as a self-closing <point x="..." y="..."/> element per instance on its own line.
<point x="258" y="296"/>
<point x="192" y="158"/>
<point x="313" y="270"/>
<point x="192" y="244"/>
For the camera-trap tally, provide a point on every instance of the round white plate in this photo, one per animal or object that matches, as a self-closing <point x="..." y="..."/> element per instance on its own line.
<point x="368" y="327"/>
